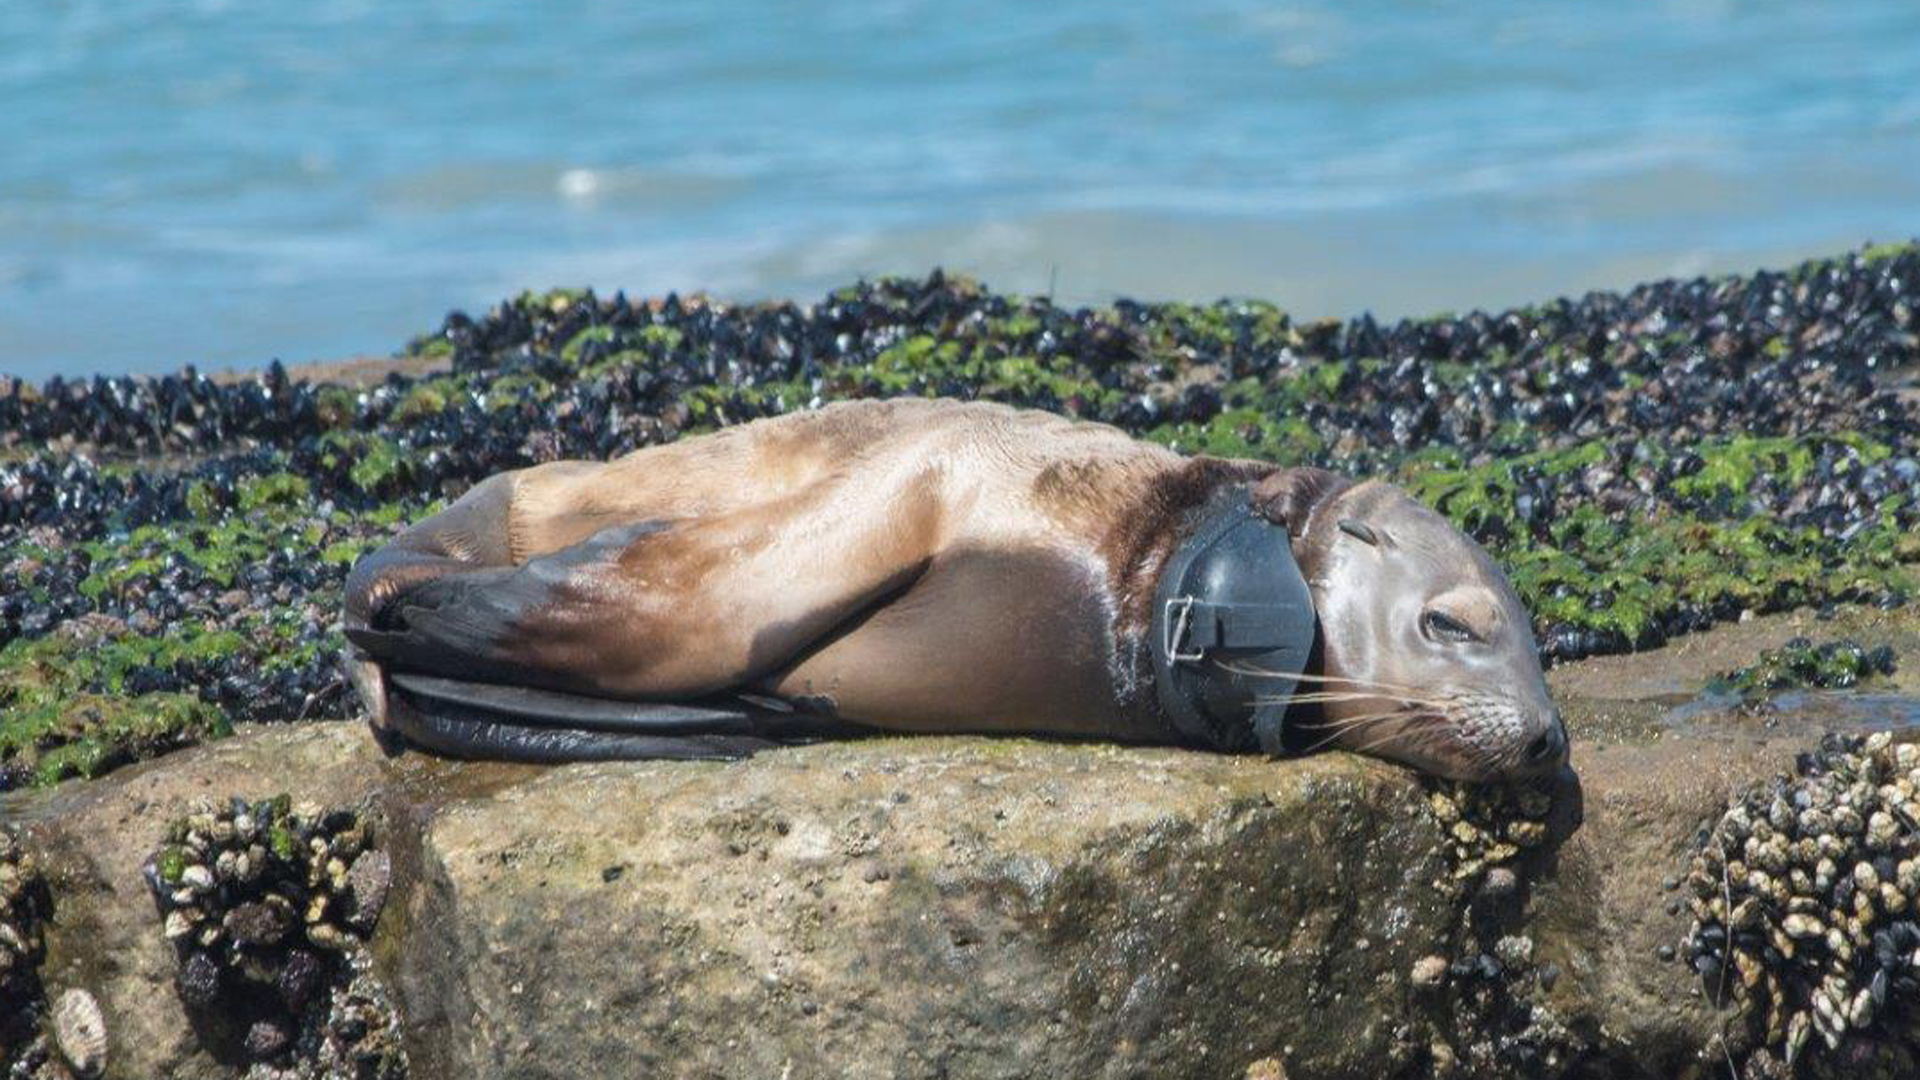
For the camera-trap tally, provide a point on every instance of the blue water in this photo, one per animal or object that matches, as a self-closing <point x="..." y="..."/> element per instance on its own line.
<point x="226" y="181"/>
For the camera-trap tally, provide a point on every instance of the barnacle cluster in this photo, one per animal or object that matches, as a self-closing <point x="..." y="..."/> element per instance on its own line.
<point x="268" y="905"/>
<point x="1483" y="984"/>
<point x="1488" y="826"/>
<point x="1806" y="904"/>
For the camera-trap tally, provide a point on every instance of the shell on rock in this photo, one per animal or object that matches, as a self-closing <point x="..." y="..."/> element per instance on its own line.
<point x="369" y="880"/>
<point x="81" y="1031"/>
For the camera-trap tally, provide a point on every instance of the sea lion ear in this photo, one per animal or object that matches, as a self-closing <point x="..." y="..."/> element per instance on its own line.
<point x="1287" y="497"/>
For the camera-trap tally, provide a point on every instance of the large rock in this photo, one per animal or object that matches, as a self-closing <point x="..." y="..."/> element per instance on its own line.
<point x="945" y="907"/>
<point x="926" y="908"/>
<point x="903" y="907"/>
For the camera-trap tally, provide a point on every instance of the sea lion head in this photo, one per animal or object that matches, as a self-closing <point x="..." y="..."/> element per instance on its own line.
<point x="1426" y="655"/>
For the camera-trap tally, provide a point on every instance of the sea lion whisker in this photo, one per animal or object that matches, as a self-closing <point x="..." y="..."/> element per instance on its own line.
<point x="1242" y="668"/>
<point x="1334" y="695"/>
<point x="1347" y="728"/>
<point x="1407" y="711"/>
<point x="1429" y="722"/>
<point x="1378" y="692"/>
<point x="1377" y="743"/>
<point x="1354" y="721"/>
<point x="1348" y="680"/>
<point x="1350" y="725"/>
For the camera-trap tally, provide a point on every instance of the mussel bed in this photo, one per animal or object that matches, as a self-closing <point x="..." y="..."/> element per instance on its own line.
<point x="1644" y="463"/>
<point x="1841" y="664"/>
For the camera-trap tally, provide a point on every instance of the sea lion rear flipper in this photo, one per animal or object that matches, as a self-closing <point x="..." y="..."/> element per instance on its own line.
<point x="525" y="724"/>
<point x="545" y="622"/>
<point x="503" y="740"/>
<point x="549" y="708"/>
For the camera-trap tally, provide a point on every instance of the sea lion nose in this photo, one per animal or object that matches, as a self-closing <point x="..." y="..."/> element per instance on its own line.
<point x="1550" y="748"/>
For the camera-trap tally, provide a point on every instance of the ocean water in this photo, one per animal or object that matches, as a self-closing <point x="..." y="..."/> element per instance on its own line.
<point x="222" y="182"/>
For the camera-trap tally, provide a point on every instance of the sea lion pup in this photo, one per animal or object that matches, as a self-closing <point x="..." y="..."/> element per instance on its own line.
<point x="944" y="566"/>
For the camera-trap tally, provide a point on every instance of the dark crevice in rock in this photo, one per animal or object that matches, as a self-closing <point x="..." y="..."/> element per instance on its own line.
<point x="25" y="906"/>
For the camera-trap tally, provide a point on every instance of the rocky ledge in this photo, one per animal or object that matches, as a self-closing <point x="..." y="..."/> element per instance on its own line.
<point x="959" y="907"/>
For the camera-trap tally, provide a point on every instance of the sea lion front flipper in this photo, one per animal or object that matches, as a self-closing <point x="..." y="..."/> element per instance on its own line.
<point x="672" y="609"/>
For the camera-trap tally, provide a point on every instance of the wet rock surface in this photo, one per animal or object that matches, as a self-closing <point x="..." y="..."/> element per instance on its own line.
<point x="1645" y="463"/>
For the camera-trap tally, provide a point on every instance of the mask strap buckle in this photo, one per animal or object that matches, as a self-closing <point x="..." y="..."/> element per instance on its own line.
<point x="1179" y="615"/>
<point x="1180" y="626"/>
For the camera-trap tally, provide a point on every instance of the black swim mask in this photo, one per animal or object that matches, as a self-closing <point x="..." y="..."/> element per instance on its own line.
<point x="1233" y="625"/>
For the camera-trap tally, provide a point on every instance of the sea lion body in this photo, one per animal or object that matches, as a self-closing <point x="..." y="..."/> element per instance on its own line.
<point x="913" y="565"/>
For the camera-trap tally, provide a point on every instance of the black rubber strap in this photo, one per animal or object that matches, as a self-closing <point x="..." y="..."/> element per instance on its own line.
<point x="1233" y="626"/>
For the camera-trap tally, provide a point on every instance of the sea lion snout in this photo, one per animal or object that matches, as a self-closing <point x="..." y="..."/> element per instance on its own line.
<point x="1428" y="654"/>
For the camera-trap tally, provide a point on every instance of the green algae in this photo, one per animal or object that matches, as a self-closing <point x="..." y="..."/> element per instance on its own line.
<point x="221" y="549"/>
<point x="1874" y="254"/>
<point x="171" y="864"/>
<point x="1801" y="664"/>
<point x="64" y="711"/>
<point x="335" y="405"/>
<point x="284" y="490"/>
<point x="710" y="407"/>
<point x="551" y="301"/>
<point x="1243" y="431"/>
<point x="570" y="352"/>
<point x="67" y="706"/>
<point x="376" y="464"/>
<point x="1698" y="552"/>
<point x="425" y="399"/>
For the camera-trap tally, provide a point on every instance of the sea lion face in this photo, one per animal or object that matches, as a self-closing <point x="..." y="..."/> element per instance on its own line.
<point x="1428" y="655"/>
